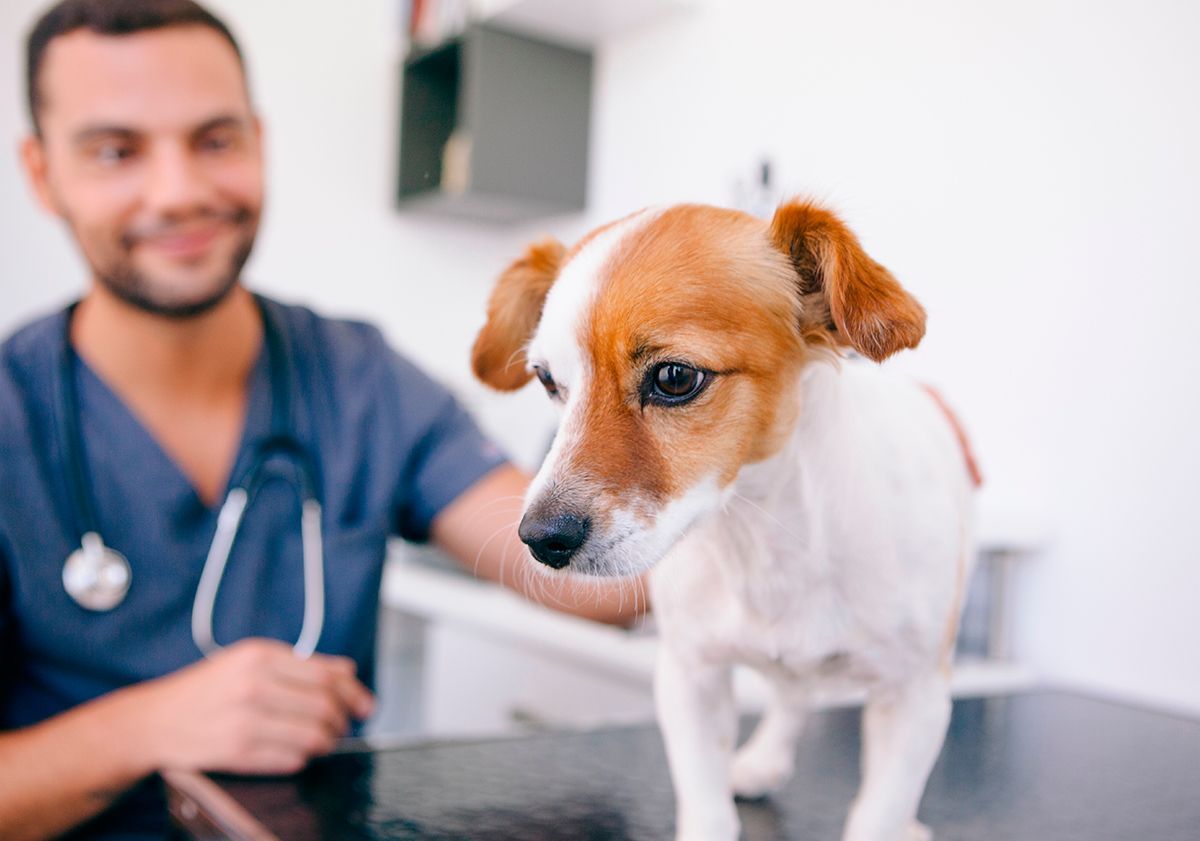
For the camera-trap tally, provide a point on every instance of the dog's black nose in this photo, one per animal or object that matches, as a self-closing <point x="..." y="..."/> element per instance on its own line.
<point x="554" y="539"/>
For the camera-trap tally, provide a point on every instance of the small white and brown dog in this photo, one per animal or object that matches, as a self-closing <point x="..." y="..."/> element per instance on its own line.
<point x="805" y="514"/>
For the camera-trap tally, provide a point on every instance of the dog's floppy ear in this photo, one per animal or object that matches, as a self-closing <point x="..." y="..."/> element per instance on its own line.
<point x="867" y="308"/>
<point x="514" y="310"/>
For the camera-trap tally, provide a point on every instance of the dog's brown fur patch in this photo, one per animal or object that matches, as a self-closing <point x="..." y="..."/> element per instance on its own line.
<point x="702" y="286"/>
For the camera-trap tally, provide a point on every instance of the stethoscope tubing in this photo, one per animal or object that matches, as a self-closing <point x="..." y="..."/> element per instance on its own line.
<point x="92" y="567"/>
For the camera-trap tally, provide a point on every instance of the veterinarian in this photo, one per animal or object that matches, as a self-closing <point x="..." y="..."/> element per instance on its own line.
<point x="198" y="482"/>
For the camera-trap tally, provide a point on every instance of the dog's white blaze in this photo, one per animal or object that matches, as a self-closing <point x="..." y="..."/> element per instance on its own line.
<point x="560" y="449"/>
<point x="556" y="342"/>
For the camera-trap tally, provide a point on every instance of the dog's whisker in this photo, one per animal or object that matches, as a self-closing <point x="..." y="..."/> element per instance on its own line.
<point x="506" y="528"/>
<point x="754" y="506"/>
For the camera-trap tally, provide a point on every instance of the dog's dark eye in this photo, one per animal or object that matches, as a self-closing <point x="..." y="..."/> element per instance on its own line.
<point x="546" y="380"/>
<point x="673" y="383"/>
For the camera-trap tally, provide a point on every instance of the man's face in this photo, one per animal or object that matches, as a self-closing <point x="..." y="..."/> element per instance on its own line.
<point x="151" y="153"/>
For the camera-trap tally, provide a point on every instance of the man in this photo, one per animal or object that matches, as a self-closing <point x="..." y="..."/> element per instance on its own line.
<point x="127" y="417"/>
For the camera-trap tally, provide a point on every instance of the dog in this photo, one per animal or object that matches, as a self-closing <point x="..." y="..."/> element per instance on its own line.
<point x="803" y="513"/>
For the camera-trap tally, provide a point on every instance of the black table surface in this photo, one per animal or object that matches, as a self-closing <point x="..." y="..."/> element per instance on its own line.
<point x="1043" y="766"/>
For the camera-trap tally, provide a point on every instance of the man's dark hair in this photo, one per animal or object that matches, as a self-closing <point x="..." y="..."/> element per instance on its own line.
<point x="110" y="17"/>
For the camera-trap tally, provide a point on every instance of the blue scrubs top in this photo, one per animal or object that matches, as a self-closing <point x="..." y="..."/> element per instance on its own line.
<point x="392" y="450"/>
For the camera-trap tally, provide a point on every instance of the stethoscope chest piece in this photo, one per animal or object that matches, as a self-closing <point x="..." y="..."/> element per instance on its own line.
<point x="96" y="576"/>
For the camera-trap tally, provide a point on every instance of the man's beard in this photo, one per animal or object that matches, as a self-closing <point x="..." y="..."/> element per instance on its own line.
<point x="137" y="290"/>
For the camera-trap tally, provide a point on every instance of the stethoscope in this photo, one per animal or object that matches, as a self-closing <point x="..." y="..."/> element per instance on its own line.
<point x="98" y="577"/>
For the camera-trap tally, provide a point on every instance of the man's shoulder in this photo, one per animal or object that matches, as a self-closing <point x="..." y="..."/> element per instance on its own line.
<point x="353" y="351"/>
<point x="34" y="342"/>
<point x="307" y="328"/>
<point x="27" y="374"/>
<point x="27" y="356"/>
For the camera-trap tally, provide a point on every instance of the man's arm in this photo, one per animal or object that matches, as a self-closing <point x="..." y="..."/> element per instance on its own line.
<point x="57" y="774"/>
<point x="63" y="771"/>
<point x="480" y="530"/>
<point x="253" y="708"/>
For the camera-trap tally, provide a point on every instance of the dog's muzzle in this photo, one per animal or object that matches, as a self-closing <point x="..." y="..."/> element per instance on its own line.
<point x="554" y="537"/>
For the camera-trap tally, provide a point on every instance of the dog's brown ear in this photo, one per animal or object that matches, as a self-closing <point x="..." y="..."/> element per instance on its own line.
<point x="514" y="310"/>
<point x="861" y="303"/>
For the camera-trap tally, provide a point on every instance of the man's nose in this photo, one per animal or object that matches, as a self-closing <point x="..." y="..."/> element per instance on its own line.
<point x="554" y="537"/>
<point x="175" y="181"/>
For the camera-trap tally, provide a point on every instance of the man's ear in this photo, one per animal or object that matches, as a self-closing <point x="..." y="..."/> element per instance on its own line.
<point x="858" y="299"/>
<point x="514" y="310"/>
<point x="259" y="132"/>
<point x="33" y="161"/>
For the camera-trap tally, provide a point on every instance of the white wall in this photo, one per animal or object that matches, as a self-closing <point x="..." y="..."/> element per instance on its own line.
<point x="1027" y="168"/>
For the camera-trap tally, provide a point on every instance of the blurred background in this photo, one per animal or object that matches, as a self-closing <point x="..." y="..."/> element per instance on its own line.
<point x="1029" y="169"/>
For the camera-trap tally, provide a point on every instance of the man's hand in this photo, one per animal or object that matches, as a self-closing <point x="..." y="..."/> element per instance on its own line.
<point x="252" y="708"/>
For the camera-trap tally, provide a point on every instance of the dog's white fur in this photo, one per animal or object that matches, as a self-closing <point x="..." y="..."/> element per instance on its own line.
<point x="842" y="557"/>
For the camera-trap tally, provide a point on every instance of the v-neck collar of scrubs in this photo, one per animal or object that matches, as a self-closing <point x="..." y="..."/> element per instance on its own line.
<point x="256" y="418"/>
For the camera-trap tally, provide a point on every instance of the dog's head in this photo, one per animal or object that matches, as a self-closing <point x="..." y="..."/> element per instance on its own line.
<point x="672" y="342"/>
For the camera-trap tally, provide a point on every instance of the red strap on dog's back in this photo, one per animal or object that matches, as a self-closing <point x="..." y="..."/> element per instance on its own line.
<point x="959" y="433"/>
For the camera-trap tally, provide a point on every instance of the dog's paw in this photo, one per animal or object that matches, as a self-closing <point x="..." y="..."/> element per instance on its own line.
<point x="856" y="830"/>
<point x="917" y="831"/>
<point x="723" y="826"/>
<point x="758" y="771"/>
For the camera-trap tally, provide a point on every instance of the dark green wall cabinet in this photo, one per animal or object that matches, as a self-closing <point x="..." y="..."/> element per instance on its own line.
<point x="494" y="126"/>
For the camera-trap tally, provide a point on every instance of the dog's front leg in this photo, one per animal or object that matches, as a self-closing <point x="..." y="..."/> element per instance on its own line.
<point x="903" y="730"/>
<point x="699" y="723"/>
<point x="766" y="761"/>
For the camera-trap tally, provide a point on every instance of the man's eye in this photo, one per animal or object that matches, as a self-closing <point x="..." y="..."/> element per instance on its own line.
<point x="673" y="383"/>
<point x="111" y="154"/>
<point x="217" y="142"/>
<point x="546" y="380"/>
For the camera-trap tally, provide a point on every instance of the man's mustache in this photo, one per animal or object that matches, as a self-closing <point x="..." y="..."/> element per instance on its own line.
<point x="176" y="225"/>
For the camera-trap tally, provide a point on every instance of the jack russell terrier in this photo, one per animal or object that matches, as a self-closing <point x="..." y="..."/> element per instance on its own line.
<point x="805" y="514"/>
